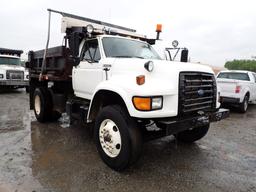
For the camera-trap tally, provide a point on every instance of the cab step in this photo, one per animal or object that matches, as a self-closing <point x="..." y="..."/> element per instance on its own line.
<point x="77" y="109"/>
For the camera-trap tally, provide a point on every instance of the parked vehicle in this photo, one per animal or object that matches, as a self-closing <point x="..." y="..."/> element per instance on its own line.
<point x="237" y="88"/>
<point x="112" y="79"/>
<point x="12" y="74"/>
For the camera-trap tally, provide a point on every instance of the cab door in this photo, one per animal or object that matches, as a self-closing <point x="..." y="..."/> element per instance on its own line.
<point x="89" y="73"/>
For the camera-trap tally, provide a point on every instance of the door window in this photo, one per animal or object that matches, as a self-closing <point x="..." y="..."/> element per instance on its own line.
<point x="90" y="51"/>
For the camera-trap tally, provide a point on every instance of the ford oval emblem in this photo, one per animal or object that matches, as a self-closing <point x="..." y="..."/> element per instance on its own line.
<point x="200" y="92"/>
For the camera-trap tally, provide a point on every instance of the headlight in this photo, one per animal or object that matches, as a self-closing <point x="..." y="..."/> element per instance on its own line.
<point x="157" y="103"/>
<point x="148" y="103"/>
<point x="1" y="76"/>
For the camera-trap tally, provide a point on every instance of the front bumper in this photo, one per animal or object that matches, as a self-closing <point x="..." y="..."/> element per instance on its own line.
<point x="176" y="126"/>
<point x="14" y="83"/>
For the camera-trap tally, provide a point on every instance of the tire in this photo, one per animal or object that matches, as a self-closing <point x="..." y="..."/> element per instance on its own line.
<point x="244" y="105"/>
<point x="42" y="104"/>
<point x="118" y="139"/>
<point x="43" y="107"/>
<point x="190" y="136"/>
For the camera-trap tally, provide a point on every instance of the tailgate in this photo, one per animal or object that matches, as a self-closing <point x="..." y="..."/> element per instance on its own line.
<point x="227" y="86"/>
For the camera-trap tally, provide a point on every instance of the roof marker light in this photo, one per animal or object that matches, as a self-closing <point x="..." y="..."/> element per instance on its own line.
<point x="159" y="28"/>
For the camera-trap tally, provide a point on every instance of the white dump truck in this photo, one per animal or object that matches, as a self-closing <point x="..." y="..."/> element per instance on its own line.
<point x="12" y="74"/>
<point x="112" y="79"/>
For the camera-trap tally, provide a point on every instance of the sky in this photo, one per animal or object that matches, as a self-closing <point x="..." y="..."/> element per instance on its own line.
<point x="214" y="31"/>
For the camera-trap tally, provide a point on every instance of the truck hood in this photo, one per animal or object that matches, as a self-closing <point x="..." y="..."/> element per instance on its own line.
<point x="164" y="78"/>
<point x="12" y="67"/>
<point x="161" y="67"/>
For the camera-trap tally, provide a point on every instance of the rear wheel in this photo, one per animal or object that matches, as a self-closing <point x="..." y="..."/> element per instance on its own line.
<point x="244" y="105"/>
<point x="117" y="137"/>
<point x="190" y="136"/>
<point x="43" y="107"/>
<point x="42" y="104"/>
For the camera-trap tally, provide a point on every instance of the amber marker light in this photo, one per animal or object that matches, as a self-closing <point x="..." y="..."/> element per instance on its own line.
<point x="140" y="80"/>
<point x="159" y="28"/>
<point x="142" y="103"/>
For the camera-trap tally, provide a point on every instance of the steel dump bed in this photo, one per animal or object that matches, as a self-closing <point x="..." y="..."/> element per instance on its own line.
<point x="58" y="64"/>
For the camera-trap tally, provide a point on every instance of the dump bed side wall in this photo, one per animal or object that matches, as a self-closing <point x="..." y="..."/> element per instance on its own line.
<point x="58" y="63"/>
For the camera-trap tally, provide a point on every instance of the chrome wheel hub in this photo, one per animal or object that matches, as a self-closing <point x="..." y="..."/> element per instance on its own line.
<point x="110" y="138"/>
<point x="37" y="105"/>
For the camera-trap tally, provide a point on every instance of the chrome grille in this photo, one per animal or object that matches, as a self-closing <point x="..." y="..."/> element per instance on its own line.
<point x="197" y="92"/>
<point x="14" y="75"/>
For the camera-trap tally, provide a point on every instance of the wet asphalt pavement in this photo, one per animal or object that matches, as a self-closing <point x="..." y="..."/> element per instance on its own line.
<point x="55" y="157"/>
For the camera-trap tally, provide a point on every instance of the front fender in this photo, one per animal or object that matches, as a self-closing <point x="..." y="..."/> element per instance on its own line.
<point x="126" y="88"/>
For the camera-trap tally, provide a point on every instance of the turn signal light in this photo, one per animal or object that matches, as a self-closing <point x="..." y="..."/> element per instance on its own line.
<point x="238" y="89"/>
<point x="140" y="80"/>
<point x="142" y="103"/>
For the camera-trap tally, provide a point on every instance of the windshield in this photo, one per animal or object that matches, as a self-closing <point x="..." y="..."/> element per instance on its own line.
<point x="9" y="61"/>
<point x="126" y="48"/>
<point x="236" y="76"/>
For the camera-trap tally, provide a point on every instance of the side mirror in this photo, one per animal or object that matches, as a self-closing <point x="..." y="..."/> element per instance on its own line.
<point x="184" y="55"/>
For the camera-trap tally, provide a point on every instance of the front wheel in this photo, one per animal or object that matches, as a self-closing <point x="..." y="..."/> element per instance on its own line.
<point x="190" y="136"/>
<point x="117" y="137"/>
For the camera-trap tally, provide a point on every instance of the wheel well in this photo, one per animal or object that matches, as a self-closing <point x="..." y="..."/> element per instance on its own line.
<point x="248" y="95"/>
<point x="104" y="98"/>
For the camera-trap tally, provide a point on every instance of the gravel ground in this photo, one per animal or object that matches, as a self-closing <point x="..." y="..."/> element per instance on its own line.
<point x="56" y="157"/>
